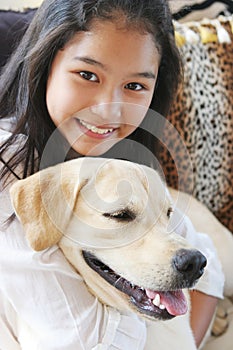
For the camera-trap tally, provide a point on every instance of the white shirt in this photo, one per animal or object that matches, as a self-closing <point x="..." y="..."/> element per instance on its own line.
<point x="43" y="291"/>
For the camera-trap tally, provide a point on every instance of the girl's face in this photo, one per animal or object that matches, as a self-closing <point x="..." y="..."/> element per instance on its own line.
<point x="101" y="85"/>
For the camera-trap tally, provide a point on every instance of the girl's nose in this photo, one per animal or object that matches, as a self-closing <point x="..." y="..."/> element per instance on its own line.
<point x="110" y="111"/>
<point x="108" y="104"/>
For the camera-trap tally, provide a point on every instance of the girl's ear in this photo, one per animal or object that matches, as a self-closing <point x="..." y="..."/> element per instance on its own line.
<point x="44" y="202"/>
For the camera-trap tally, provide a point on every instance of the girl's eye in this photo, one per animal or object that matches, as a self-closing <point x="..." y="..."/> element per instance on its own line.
<point x="88" y="76"/>
<point x="134" y="86"/>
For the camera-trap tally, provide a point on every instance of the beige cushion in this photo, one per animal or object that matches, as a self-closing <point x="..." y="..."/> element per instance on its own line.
<point x="225" y="341"/>
<point x="19" y="5"/>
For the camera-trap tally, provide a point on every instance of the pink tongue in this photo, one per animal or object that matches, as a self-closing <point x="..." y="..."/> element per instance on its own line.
<point x="174" y="301"/>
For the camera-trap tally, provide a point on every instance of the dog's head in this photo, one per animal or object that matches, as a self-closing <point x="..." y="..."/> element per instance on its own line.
<point x="110" y="218"/>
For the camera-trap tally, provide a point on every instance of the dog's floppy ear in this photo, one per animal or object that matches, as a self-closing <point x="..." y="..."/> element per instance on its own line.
<point x="44" y="202"/>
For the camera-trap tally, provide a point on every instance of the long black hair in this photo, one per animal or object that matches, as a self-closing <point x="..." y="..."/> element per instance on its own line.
<point x="24" y="78"/>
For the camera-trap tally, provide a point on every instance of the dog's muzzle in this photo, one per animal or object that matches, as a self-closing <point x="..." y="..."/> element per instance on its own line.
<point x="188" y="266"/>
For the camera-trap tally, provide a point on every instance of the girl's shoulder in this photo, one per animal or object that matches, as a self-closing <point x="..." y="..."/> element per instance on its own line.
<point x="7" y="125"/>
<point x="6" y="129"/>
<point x="9" y="150"/>
<point x="4" y="132"/>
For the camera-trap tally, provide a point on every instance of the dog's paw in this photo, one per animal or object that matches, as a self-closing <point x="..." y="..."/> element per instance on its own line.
<point x="220" y="324"/>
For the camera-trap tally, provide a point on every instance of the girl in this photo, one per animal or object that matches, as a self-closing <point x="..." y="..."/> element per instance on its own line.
<point x="76" y="56"/>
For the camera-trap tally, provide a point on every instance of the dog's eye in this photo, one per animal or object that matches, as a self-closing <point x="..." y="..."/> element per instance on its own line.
<point x="169" y="212"/>
<point x="123" y="215"/>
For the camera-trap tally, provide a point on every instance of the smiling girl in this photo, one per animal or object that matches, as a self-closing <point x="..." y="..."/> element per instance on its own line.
<point x="92" y="69"/>
<point x="104" y="70"/>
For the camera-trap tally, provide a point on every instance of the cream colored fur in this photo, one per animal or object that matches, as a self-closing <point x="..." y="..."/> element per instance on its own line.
<point x="65" y="204"/>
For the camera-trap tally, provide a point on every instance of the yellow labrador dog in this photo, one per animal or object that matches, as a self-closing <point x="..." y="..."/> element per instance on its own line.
<point x="111" y="220"/>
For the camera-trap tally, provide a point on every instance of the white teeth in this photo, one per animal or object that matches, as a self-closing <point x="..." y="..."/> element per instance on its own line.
<point x="156" y="302"/>
<point x="95" y="129"/>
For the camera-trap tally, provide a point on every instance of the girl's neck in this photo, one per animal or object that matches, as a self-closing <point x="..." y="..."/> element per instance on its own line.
<point x="72" y="154"/>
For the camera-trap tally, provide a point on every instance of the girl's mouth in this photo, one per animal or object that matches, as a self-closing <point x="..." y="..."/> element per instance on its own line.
<point x="93" y="130"/>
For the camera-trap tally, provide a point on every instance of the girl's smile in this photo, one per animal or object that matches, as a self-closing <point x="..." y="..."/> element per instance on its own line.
<point x="94" y="131"/>
<point x="101" y="85"/>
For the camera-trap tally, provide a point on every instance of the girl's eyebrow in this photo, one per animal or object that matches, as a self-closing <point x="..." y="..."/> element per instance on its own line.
<point x="93" y="62"/>
<point x="148" y="75"/>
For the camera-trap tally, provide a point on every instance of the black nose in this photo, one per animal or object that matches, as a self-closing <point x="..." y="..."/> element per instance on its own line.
<point x="190" y="263"/>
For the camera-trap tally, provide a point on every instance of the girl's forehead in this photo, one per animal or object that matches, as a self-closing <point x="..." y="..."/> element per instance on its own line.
<point x="121" y="22"/>
<point x="109" y="43"/>
<point x="119" y="30"/>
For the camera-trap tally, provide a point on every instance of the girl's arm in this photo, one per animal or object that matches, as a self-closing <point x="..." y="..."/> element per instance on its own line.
<point x="51" y="307"/>
<point x="203" y="308"/>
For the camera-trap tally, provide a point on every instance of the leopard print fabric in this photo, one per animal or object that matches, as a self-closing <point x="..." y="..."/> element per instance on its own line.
<point x="203" y="116"/>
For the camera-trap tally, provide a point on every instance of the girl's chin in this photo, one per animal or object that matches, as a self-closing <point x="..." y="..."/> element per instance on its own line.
<point x="91" y="150"/>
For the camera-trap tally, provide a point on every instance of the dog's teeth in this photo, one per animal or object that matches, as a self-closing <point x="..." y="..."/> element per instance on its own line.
<point x="156" y="300"/>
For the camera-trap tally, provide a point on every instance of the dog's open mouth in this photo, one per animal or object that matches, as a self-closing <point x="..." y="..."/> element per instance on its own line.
<point x="156" y="304"/>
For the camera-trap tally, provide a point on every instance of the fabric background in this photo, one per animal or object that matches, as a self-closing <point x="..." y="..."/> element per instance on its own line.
<point x="12" y="26"/>
<point x="212" y="11"/>
<point x="203" y="116"/>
